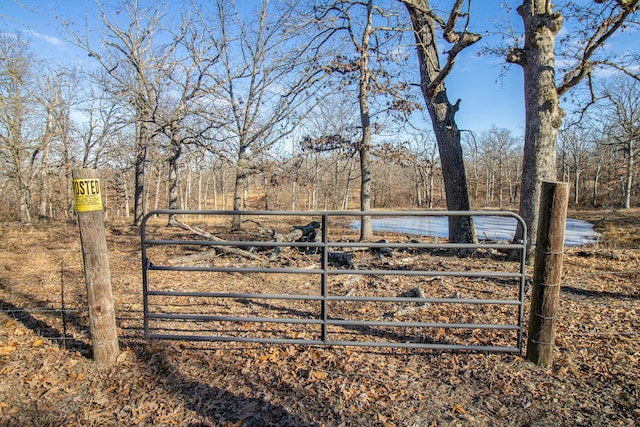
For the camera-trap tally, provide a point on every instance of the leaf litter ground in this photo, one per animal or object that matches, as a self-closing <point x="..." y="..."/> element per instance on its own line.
<point x="44" y="380"/>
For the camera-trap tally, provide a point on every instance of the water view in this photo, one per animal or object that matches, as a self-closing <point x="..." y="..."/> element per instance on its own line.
<point x="499" y="228"/>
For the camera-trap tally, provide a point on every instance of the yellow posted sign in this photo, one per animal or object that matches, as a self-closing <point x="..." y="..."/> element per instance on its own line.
<point x="87" y="195"/>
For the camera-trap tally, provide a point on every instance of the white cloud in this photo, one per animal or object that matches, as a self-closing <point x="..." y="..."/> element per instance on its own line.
<point x="607" y="72"/>
<point x="55" y="41"/>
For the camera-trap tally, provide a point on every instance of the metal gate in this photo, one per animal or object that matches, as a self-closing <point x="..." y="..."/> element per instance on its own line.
<point x="202" y="282"/>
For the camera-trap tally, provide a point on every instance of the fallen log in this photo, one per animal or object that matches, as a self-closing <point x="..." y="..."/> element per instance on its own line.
<point x="338" y="259"/>
<point x="309" y="231"/>
<point x="195" y="259"/>
<point x="341" y="259"/>
<point x="221" y="248"/>
<point x="292" y="236"/>
<point x="297" y="233"/>
<point x="416" y="292"/>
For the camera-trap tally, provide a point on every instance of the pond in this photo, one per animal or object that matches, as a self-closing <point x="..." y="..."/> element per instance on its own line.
<point x="500" y="228"/>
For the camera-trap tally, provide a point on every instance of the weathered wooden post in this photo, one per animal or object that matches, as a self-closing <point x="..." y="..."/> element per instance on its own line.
<point x="547" y="272"/>
<point x="102" y="319"/>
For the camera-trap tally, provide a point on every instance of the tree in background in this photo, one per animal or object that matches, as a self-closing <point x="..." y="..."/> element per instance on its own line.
<point x="267" y="66"/>
<point x="184" y="115"/>
<point x="575" y="144"/>
<point x="131" y="60"/>
<point x="497" y="146"/>
<point x="335" y="131"/>
<point x="26" y="125"/>
<point x="621" y="113"/>
<point x="58" y="94"/>
<point x="423" y="159"/>
<point x="372" y="33"/>
<point x="159" y="68"/>
<point x="426" y="23"/>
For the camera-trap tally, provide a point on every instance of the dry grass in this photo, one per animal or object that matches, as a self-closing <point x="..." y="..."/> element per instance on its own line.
<point x="620" y="228"/>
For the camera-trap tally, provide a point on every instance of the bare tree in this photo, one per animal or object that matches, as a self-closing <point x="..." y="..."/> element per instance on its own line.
<point x="422" y="154"/>
<point x="372" y="33"/>
<point x="133" y="60"/>
<point x="184" y="114"/>
<point x="496" y="147"/>
<point x="622" y="113"/>
<point x="575" y="145"/>
<point x="103" y="116"/>
<point x="48" y="94"/>
<point x="21" y="141"/>
<point x="473" y="155"/>
<point x="331" y="140"/>
<point x="426" y="22"/>
<point x="267" y="66"/>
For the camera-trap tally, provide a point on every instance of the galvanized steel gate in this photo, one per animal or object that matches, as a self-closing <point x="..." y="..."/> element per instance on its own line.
<point x="406" y="292"/>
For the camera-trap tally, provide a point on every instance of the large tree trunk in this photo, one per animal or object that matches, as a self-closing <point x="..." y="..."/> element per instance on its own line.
<point x="542" y="110"/>
<point x="442" y="114"/>
<point x="366" y="227"/>
<point x="461" y="228"/>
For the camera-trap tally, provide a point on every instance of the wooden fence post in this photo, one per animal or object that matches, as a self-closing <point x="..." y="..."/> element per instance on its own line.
<point x="547" y="272"/>
<point x="102" y="319"/>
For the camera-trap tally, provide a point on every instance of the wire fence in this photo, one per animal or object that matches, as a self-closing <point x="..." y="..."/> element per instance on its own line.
<point x="45" y="298"/>
<point x="42" y="286"/>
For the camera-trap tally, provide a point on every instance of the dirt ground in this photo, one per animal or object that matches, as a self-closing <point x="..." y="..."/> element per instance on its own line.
<point x="48" y="377"/>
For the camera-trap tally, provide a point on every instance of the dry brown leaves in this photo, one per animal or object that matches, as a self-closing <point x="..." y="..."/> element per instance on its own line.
<point x="595" y="378"/>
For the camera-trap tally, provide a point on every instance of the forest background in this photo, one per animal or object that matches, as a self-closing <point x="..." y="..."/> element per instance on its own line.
<point x="258" y="105"/>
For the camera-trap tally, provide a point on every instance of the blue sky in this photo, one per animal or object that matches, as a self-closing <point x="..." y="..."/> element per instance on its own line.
<point x="489" y="96"/>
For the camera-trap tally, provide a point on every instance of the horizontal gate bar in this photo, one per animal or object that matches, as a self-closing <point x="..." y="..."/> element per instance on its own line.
<point x="430" y="273"/>
<point x="336" y="298"/>
<point x="334" y="322"/>
<point x="258" y="244"/>
<point x="426" y="346"/>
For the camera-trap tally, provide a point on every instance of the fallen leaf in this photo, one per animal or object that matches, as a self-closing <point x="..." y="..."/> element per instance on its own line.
<point x="318" y="375"/>
<point x="38" y="343"/>
<point x="383" y="420"/>
<point x="76" y="376"/>
<point x="8" y="349"/>
<point x="457" y="409"/>
<point x="503" y="412"/>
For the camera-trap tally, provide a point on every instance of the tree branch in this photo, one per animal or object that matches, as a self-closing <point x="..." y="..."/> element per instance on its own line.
<point x="604" y="31"/>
